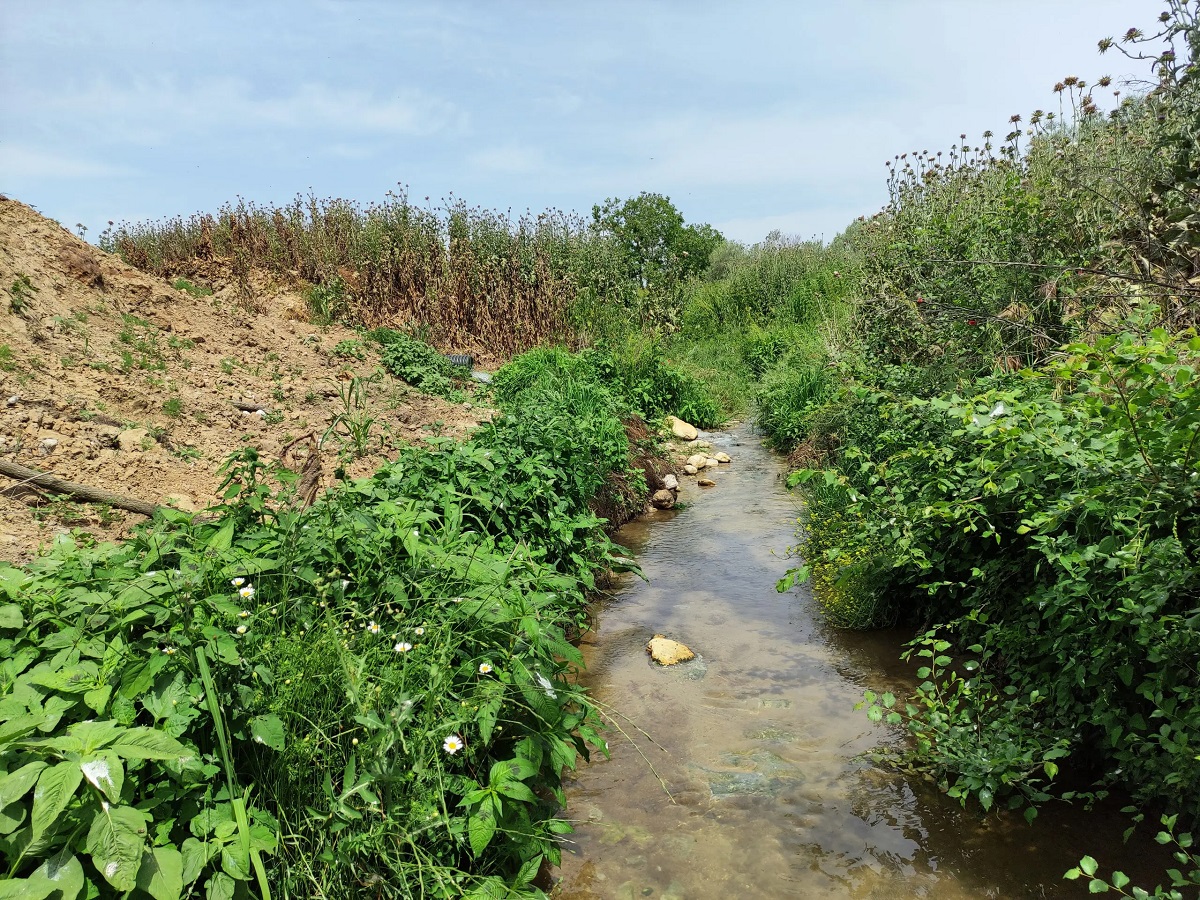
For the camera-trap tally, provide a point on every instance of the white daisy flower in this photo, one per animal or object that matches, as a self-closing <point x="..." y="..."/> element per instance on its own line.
<point x="452" y="744"/>
<point x="247" y="592"/>
<point x="403" y="647"/>
<point x="373" y="628"/>
<point x="485" y="668"/>
<point x="238" y="582"/>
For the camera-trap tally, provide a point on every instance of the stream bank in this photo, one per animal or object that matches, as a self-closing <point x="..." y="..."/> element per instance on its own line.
<point x="750" y="780"/>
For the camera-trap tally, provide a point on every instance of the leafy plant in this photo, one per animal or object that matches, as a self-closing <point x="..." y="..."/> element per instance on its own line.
<point x="21" y="293"/>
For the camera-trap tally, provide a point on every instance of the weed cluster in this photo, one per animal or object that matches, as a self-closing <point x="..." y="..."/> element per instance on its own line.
<point x="388" y="669"/>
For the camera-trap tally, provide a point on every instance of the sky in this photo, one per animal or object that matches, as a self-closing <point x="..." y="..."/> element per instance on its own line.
<point x="752" y="116"/>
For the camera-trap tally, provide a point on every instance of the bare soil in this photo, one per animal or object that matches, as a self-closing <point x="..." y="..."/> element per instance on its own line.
<point x="113" y="378"/>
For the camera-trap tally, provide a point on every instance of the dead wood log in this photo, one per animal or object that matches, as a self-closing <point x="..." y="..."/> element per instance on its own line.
<point x="53" y="483"/>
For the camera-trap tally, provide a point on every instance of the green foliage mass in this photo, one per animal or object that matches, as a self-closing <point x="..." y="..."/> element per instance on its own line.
<point x="638" y="381"/>
<point x="376" y="691"/>
<point x="416" y="362"/>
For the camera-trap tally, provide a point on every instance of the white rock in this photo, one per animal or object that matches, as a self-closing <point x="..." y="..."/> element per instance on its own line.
<point x="722" y="457"/>
<point x="670" y="482"/>
<point x="682" y="429"/>
<point x="697" y="460"/>
<point x="48" y="445"/>
<point x="690" y="469"/>
<point x="667" y="652"/>
<point x="710" y="463"/>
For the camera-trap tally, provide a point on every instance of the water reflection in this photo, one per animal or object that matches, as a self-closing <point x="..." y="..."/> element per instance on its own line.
<point x="740" y="774"/>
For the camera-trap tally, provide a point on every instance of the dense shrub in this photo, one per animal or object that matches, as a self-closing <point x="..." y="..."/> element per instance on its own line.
<point x="374" y="693"/>
<point x="1049" y="523"/>
<point x="417" y="363"/>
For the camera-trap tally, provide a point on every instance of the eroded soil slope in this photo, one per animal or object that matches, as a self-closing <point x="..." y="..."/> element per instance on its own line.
<point x="115" y="379"/>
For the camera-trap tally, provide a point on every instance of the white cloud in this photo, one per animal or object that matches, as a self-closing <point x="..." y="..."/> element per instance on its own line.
<point x="508" y="159"/>
<point x="23" y="163"/>
<point x="149" y="110"/>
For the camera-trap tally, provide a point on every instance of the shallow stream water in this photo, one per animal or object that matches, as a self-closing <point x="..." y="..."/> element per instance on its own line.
<point x="749" y="780"/>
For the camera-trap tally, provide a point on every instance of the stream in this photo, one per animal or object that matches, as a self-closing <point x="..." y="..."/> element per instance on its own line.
<point x="741" y="774"/>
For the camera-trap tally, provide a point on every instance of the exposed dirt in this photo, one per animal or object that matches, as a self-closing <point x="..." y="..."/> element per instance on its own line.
<point x="113" y="378"/>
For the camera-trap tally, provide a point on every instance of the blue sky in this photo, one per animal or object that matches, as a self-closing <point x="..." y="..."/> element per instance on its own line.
<point x="751" y="116"/>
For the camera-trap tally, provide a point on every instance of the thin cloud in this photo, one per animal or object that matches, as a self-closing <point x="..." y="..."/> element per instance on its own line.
<point x="20" y="163"/>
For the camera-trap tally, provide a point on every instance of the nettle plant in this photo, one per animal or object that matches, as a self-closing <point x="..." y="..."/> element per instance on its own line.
<point x="112" y="783"/>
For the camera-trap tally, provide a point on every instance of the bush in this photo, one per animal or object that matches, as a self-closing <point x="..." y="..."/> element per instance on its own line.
<point x="388" y="669"/>
<point x="417" y="363"/>
<point x="1049" y="522"/>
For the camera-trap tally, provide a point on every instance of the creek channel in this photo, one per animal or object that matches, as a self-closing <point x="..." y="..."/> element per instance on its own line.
<point x="750" y="779"/>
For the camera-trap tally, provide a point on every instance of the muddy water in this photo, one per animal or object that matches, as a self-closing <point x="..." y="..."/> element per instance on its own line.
<point x="748" y="781"/>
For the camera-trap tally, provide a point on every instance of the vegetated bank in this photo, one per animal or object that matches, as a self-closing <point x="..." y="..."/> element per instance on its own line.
<point x="371" y="692"/>
<point x="990" y="393"/>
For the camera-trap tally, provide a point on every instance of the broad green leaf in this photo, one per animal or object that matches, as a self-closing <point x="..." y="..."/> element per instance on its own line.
<point x="149" y="743"/>
<point x="517" y="790"/>
<point x="529" y="870"/>
<point x="195" y="857"/>
<point x="267" y="730"/>
<point x="97" y="698"/>
<point x="12" y="817"/>
<point x="15" y="785"/>
<point x="985" y="799"/>
<point x="116" y="841"/>
<point x="11" y="616"/>
<point x="25" y="889"/>
<point x="64" y="873"/>
<point x="161" y="874"/>
<point x="104" y="772"/>
<point x="219" y="887"/>
<point x="223" y="538"/>
<point x="95" y="735"/>
<point x="235" y="861"/>
<point x="56" y="788"/>
<point x="480" y="829"/>
<point x="18" y="727"/>
<point x="1097" y="886"/>
<point x="1088" y="866"/>
<point x="12" y="580"/>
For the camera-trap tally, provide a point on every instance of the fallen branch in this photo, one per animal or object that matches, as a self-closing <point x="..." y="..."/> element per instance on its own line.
<point x="52" y="483"/>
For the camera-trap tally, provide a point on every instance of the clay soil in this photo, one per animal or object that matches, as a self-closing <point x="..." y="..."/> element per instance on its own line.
<point x="115" y="379"/>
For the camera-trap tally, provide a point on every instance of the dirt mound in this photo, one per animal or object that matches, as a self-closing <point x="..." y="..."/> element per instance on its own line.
<point x="113" y="378"/>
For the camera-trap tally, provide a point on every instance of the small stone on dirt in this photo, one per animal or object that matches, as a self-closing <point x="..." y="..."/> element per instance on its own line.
<point x="681" y="429"/>
<point x="48" y="445"/>
<point x="689" y="469"/>
<point x="667" y="652"/>
<point x="133" y="440"/>
<point x="722" y="457"/>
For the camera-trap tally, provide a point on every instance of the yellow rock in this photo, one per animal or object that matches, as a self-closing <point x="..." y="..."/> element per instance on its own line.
<point x="667" y="652"/>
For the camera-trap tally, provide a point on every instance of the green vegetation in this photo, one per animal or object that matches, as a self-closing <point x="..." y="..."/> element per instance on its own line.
<point x="293" y="701"/>
<point x="195" y="290"/>
<point x="419" y="364"/>
<point x="994" y="418"/>
<point x="989" y="391"/>
<point x="21" y="294"/>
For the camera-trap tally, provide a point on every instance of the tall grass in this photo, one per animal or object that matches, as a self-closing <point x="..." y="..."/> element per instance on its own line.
<point x="456" y="274"/>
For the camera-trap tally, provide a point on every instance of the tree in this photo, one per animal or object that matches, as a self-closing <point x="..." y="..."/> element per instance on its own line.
<point x="658" y="249"/>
